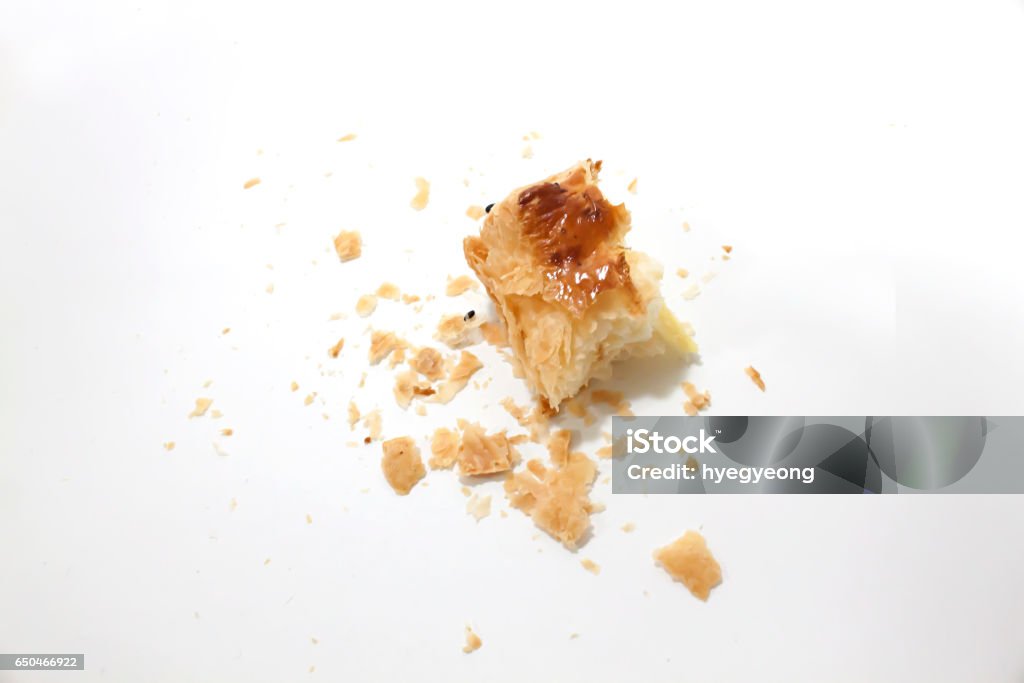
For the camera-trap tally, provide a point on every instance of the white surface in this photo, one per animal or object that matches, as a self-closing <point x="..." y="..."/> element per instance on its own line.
<point x="863" y="159"/>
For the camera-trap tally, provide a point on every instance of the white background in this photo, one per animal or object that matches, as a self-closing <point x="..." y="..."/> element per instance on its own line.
<point x="865" y="160"/>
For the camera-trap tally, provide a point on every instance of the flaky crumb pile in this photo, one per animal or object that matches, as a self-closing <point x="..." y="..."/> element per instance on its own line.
<point x="557" y="499"/>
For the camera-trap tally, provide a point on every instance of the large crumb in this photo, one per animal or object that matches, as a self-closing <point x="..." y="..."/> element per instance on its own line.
<point x="755" y="377"/>
<point x="696" y="401"/>
<point x="419" y="201"/>
<point x="591" y="566"/>
<point x="687" y="559"/>
<point x="473" y="642"/>
<point x="429" y="363"/>
<point x="481" y="453"/>
<point x="366" y="305"/>
<point x="348" y="244"/>
<point x="456" y="330"/>
<point x="458" y="378"/>
<point x="373" y="425"/>
<point x="202" y="405"/>
<point x="250" y="183"/>
<point x="459" y="285"/>
<point x="556" y="499"/>
<point x="382" y="344"/>
<point x="479" y="506"/>
<point x="402" y="464"/>
<point x="408" y="385"/>
<point x="444" y="448"/>
<point x="336" y="349"/>
<point x="389" y="290"/>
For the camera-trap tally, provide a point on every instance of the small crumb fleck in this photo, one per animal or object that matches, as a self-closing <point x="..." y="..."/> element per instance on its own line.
<point x="347" y="138"/>
<point x="473" y="641"/>
<point x="207" y="383"/>
<point x="459" y="285"/>
<point x="295" y="386"/>
<point x="402" y="465"/>
<point x="528" y="152"/>
<point x="628" y="527"/>
<point x="389" y="290"/>
<point x="216" y="414"/>
<point x="632" y="186"/>
<point x="314" y="641"/>
<point x="250" y="183"/>
<point x="727" y="248"/>
<point x="309" y="518"/>
<point x="366" y="305"/>
<point x="591" y="566"/>
<point x="686" y="227"/>
<point x="202" y="405"/>
<point x="336" y="349"/>
<point x="233" y="505"/>
<point x="691" y="292"/>
<point x="309" y="399"/>
<point x="270" y="288"/>
<point x="348" y="244"/>
<point x="227" y="431"/>
<point x="683" y="272"/>
<point x="422" y="196"/>
<point x="755" y="377"/>
<point x="169" y="446"/>
<point x="225" y="330"/>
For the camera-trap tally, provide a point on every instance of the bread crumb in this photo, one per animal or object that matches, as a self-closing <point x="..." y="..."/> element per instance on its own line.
<point x="628" y="527"/>
<point x="219" y="450"/>
<point x="227" y="431"/>
<point x="347" y="138"/>
<point x="473" y="642"/>
<point x="362" y="381"/>
<point x="755" y="377"/>
<point x="382" y="344"/>
<point x="270" y="288"/>
<point x="578" y="408"/>
<point x="232" y="505"/>
<point x="202" y="405"/>
<point x="481" y="453"/>
<point x="688" y="560"/>
<point x="573" y="636"/>
<point x="683" y="272"/>
<point x="408" y="385"/>
<point x="456" y="331"/>
<point x="478" y="506"/>
<point x="401" y="464"/>
<point x="466" y="492"/>
<point x="309" y="399"/>
<point x="615" y="399"/>
<point x="366" y="305"/>
<point x="251" y="182"/>
<point x="632" y="186"/>
<point x="476" y="212"/>
<point x="348" y="244"/>
<point x="353" y="415"/>
<point x="604" y="452"/>
<point x="216" y="414"/>
<point x="207" y="383"/>
<point x="686" y="227"/>
<point x="429" y="363"/>
<point x="444" y="448"/>
<point x="389" y="290"/>
<point x="591" y="566"/>
<point x="421" y="409"/>
<point x="459" y="285"/>
<point x="169" y="446"/>
<point x="727" y="248"/>
<point x="708" y="276"/>
<point x="458" y="378"/>
<point x="494" y="334"/>
<point x="536" y="421"/>
<point x="556" y="499"/>
<point x="528" y="152"/>
<point x="266" y="562"/>
<point x="295" y="386"/>
<point x="409" y="299"/>
<point x="337" y="316"/>
<point x="419" y="201"/>
<point x="558" y="447"/>
<point x="336" y="349"/>
<point x="691" y="292"/>
<point x="314" y="641"/>
<point x="697" y="401"/>
<point x="226" y="330"/>
<point x="397" y="357"/>
<point x="373" y="425"/>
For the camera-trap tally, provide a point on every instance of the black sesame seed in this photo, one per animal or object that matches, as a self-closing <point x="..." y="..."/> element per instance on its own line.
<point x="468" y="316"/>
<point x="487" y="209"/>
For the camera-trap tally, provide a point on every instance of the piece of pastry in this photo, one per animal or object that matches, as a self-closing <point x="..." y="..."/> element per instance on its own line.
<point x="574" y="299"/>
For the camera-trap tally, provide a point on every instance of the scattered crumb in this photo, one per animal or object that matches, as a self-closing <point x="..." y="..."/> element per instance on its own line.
<point x="755" y="377"/>
<point x="615" y="399"/>
<point x="382" y="344"/>
<point x="337" y="316"/>
<point x="207" y="383"/>
<point x="312" y="669"/>
<point x="336" y="349"/>
<point x="481" y="453"/>
<point x="389" y="290"/>
<point x="686" y="227"/>
<point x="591" y="566"/>
<point x="266" y="562"/>
<point x="295" y="386"/>
<point x="251" y="182"/>
<point x="227" y="431"/>
<point x="683" y="272"/>
<point x="348" y="244"/>
<point x="528" y="152"/>
<point x="696" y="401"/>
<point x="459" y="285"/>
<point x="632" y="186"/>
<point x="473" y="642"/>
<point x="401" y="464"/>
<point x="309" y="518"/>
<point x="556" y="499"/>
<point x="219" y="450"/>
<point x="309" y="399"/>
<point x="536" y="421"/>
<point x="366" y="305"/>
<point x="458" y="378"/>
<point x="727" y="248"/>
<point x="353" y="415"/>
<point x="372" y="423"/>
<point x="226" y="330"/>
<point x="314" y="641"/>
<point x="691" y="292"/>
<point x="466" y="492"/>
<point x="409" y="298"/>
<point x="397" y="357"/>
<point x="573" y="636"/>
<point x="534" y="135"/>
<point x="347" y="138"/>
<point x="444" y="448"/>
<point x="455" y="330"/>
<point x="408" y="385"/>
<point x="628" y="527"/>
<point x="421" y="409"/>
<point x="419" y="201"/>
<point x="687" y="559"/>
<point x="604" y="452"/>
<point x="270" y="288"/>
<point x="494" y="334"/>
<point x="478" y="506"/>
<point x="202" y="405"/>
<point x="362" y="381"/>
<point x="429" y="363"/>
<point x="708" y="276"/>
<point x="578" y="408"/>
<point x="476" y="212"/>
<point x="558" y="447"/>
<point x="216" y="414"/>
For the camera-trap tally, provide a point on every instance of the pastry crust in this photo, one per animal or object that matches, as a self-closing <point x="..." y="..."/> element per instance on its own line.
<point x="572" y="296"/>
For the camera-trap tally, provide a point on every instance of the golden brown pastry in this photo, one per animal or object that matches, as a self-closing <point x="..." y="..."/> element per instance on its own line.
<point x="573" y="297"/>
